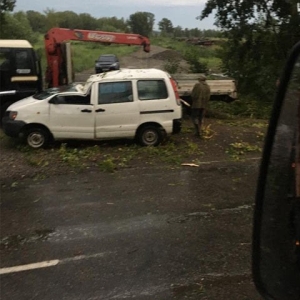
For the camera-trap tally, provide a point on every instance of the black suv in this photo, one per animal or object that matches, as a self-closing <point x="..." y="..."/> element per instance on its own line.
<point x="107" y="62"/>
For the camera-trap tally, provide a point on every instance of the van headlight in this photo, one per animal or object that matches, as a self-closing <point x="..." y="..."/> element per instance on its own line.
<point x="13" y="115"/>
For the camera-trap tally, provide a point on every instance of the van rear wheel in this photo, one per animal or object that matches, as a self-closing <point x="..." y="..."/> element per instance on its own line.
<point x="37" y="137"/>
<point x="150" y="136"/>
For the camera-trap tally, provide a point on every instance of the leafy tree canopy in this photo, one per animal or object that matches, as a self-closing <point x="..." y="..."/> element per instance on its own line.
<point x="6" y="6"/>
<point x="260" y="34"/>
<point x="17" y="26"/>
<point x="165" y="26"/>
<point x="142" y="23"/>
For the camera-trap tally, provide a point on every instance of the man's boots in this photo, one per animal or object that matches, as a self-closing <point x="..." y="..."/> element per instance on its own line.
<point x="197" y="132"/>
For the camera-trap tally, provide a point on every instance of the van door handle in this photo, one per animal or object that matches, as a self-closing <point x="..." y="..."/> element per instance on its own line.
<point x="86" y="110"/>
<point x="100" y="110"/>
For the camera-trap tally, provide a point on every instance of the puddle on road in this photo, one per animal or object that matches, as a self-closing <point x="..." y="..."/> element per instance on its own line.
<point x="14" y="241"/>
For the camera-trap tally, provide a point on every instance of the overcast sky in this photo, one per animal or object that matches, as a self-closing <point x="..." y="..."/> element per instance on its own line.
<point x="181" y="12"/>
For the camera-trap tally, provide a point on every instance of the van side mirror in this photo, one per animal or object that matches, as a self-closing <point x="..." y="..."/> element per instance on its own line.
<point x="276" y="233"/>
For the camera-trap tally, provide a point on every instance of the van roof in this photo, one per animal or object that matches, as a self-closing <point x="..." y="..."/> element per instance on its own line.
<point x="15" y="44"/>
<point x="128" y="74"/>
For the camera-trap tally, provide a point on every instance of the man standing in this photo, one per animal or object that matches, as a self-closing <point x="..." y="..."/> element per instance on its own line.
<point x="200" y="97"/>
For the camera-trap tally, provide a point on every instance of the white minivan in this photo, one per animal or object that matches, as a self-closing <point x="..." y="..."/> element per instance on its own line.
<point x="140" y="104"/>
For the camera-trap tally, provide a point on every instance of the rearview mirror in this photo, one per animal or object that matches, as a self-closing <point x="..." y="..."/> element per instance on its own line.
<point x="276" y="234"/>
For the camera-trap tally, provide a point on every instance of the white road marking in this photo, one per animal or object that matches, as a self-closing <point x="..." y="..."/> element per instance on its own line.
<point x="44" y="264"/>
<point x="48" y="263"/>
<point x="221" y="161"/>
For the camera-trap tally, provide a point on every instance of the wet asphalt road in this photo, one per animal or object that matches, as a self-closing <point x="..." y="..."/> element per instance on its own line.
<point x="150" y="233"/>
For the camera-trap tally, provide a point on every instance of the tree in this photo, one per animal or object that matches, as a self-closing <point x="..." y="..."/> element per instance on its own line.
<point x="51" y="18"/>
<point x="112" y="24"/>
<point x="165" y="26"/>
<point x="260" y="34"/>
<point x="37" y="21"/>
<point x="6" y="6"/>
<point x="17" y="27"/>
<point x="68" y="19"/>
<point x="141" y="23"/>
<point x="86" y="21"/>
<point x="178" y="32"/>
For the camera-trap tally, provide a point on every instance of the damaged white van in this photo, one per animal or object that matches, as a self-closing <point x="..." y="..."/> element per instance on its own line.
<point x="141" y="104"/>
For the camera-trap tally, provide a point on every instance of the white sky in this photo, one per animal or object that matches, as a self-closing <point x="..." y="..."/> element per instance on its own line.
<point x="181" y="12"/>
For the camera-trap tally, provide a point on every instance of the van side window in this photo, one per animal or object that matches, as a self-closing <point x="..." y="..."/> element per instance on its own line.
<point x="73" y="100"/>
<point x="115" y="92"/>
<point x="152" y="89"/>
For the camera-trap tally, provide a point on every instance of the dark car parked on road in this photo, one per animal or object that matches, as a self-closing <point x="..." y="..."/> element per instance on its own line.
<point x="107" y="62"/>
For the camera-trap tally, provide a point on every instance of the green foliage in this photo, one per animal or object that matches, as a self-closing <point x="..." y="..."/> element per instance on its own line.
<point x="112" y="24"/>
<point x="6" y="6"/>
<point x="244" y="107"/>
<point x="165" y="26"/>
<point x="141" y="23"/>
<point x="17" y="27"/>
<point x="260" y="34"/>
<point x="69" y="156"/>
<point x="238" y="149"/>
<point x="108" y="164"/>
<point x="171" y="66"/>
<point x="37" y="21"/>
<point x="192" y="55"/>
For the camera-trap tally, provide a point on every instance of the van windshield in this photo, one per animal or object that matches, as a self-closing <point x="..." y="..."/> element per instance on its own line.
<point x="107" y="58"/>
<point x="61" y="89"/>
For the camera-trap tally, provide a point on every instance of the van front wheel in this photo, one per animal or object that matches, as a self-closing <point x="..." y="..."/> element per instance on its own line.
<point x="37" y="137"/>
<point x="150" y="136"/>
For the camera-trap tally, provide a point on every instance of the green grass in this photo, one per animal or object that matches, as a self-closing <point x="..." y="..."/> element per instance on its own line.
<point x="85" y="54"/>
<point x="213" y="63"/>
<point x="238" y="149"/>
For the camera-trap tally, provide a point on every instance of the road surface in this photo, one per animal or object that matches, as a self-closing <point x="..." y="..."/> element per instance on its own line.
<point x="139" y="233"/>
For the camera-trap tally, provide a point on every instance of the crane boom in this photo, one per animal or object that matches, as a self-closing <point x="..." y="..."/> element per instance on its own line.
<point x="55" y="37"/>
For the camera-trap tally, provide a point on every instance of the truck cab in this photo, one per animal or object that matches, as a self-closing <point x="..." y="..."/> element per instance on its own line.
<point x="20" y="72"/>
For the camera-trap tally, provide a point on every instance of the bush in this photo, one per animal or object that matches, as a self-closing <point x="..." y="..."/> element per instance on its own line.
<point x="192" y="56"/>
<point x="171" y="66"/>
<point x="240" y="108"/>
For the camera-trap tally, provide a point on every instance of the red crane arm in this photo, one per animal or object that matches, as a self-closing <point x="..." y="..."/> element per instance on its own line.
<point x="56" y="36"/>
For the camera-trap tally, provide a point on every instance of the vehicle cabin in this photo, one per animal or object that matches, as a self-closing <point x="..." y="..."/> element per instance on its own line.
<point x="20" y="72"/>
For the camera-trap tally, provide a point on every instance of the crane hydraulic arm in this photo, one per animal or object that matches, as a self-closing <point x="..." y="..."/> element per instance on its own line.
<point x="55" y="38"/>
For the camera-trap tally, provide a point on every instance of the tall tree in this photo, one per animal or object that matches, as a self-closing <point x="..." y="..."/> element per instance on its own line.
<point x="86" y="21"/>
<point x="165" y="26"/>
<point x="37" y="21"/>
<point x="6" y="6"/>
<point x="141" y="23"/>
<point x="260" y="34"/>
<point x="67" y="19"/>
<point x="52" y="19"/>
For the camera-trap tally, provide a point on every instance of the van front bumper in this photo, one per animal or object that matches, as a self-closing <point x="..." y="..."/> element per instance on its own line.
<point x="12" y="128"/>
<point x="176" y="126"/>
